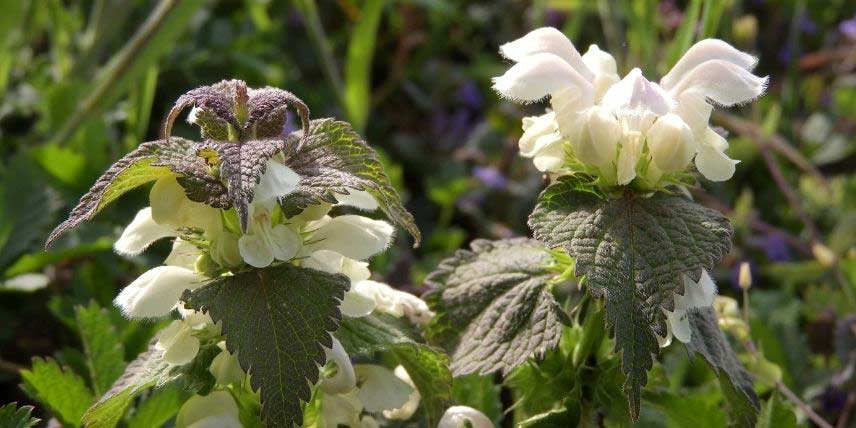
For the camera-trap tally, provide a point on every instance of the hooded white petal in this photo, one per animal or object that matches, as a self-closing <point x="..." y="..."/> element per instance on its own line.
<point x="215" y="410"/>
<point x="171" y="207"/>
<point x="352" y="236"/>
<point x="546" y="40"/>
<point x="671" y="143"/>
<point x="460" y="416"/>
<point x="703" y="51"/>
<point x="142" y="232"/>
<point x="635" y="92"/>
<point x="711" y="160"/>
<point x="695" y="111"/>
<point x="538" y="76"/>
<point x="406" y="411"/>
<point x="156" y="292"/>
<point x="722" y="82"/>
<point x="380" y="389"/>
<point x="344" y="380"/>
<point x="359" y="199"/>
<point x="394" y="302"/>
<point x="277" y="181"/>
<point x="600" y="62"/>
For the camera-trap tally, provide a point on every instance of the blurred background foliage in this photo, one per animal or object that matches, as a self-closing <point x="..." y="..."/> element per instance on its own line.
<point x="83" y="82"/>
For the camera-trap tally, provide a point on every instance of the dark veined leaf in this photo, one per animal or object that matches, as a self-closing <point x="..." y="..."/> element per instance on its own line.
<point x="332" y="159"/>
<point x="633" y="251"/>
<point x="11" y="416"/>
<point x="709" y="341"/>
<point x="427" y="367"/>
<point x="277" y="321"/>
<point x="148" y="162"/>
<point x="494" y="308"/>
<point x="101" y="345"/>
<point x="62" y="391"/>
<point x="148" y="370"/>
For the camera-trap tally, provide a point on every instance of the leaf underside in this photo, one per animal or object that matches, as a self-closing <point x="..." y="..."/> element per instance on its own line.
<point x="276" y="320"/>
<point x="493" y="311"/>
<point x="333" y="159"/>
<point x="709" y="341"/>
<point x="148" y="162"/>
<point x="634" y="252"/>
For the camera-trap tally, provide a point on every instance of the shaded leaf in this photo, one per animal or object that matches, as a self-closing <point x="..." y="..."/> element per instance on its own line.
<point x="159" y="408"/>
<point x="333" y="159"/>
<point x="494" y="310"/>
<point x="709" y="341"/>
<point x="11" y="416"/>
<point x="276" y="321"/>
<point x="775" y="414"/>
<point x="62" y="391"/>
<point x="101" y="345"/>
<point x="429" y="371"/>
<point x="634" y="251"/>
<point x="366" y="335"/>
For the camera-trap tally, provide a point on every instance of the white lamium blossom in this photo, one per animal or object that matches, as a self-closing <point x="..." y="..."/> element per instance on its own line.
<point x="607" y="122"/>
<point x="171" y="207"/>
<point x="394" y="302"/>
<point x="696" y="295"/>
<point x="265" y="240"/>
<point x="277" y="181"/>
<point x="178" y="342"/>
<point x="225" y="367"/>
<point x="155" y="293"/>
<point x="215" y="410"/>
<point x="407" y="410"/>
<point x="464" y="417"/>
<point x="344" y="379"/>
<point x="359" y="199"/>
<point x="380" y="389"/>
<point x="355" y="237"/>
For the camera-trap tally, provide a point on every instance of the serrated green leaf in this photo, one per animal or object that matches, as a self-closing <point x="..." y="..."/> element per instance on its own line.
<point x="148" y="370"/>
<point x="709" y="341"/>
<point x="429" y="371"/>
<point x="150" y="161"/>
<point x="62" y="391"/>
<point x="276" y="320"/>
<point x="159" y="408"/>
<point x="634" y="251"/>
<point x="363" y="336"/>
<point x="775" y="414"/>
<point x="13" y="417"/>
<point x="333" y="158"/>
<point x="102" y="346"/>
<point x="493" y="309"/>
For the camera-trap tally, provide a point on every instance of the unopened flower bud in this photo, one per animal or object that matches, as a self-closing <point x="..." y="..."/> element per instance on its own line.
<point x="744" y="278"/>
<point x="823" y="254"/>
<point x="671" y="143"/>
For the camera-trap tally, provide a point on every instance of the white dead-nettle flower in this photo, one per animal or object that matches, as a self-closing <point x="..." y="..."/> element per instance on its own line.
<point x="464" y="417"/>
<point x="225" y="367"/>
<point x="217" y="409"/>
<point x="155" y="293"/>
<point x="407" y="410"/>
<point x="178" y="341"/>
<point x="607" y="123"/>
<point x="696" y="295"/>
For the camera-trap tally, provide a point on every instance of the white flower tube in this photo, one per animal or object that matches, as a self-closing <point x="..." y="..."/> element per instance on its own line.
<point x="463" y="417"/>
<point x="142" y="232"/>
<point x="352" y="236"/>
<point x="155" y="293"/>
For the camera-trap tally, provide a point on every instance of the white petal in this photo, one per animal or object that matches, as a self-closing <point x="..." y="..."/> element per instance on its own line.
<point x="539" y="133"/>
<point x="171" y="207"/>
<point x="344" y="380"/>
<point x="341" y="409"/>
<point x="635" y="92"/>
<point x="406" y="411"/>
<point x="694" y="109"/>
<point x="225" y="368"/>
<point x="284" y="242"/>
<point x="311" y="213"/>
<point x="356" y="304"/>
<point x="380" y="389"/>
<point x="569" y="104"/>
<point x="156" y="292"/>
<point x="255" y="250"/>
<point x="703" y="51"/>
<point x="142" y="232"/>
<point x="182" y="350"/>
<point x="359" y="199"/>
<point x="458" y="416"/>
<point x="183" y="254"/>
<point x="546" y="40"/>
<point x="277" y="181"/>
<point x="599" y="62"/>
<point x="198" y="408"/>
<point x="225" y="250"/>
<point x="538" y="76"/>
<point x="711" y="161"/>
<point x="722" y="82"/>
<point x="598" y="141"/>
<point x="27" y="282"/>
<point x="680" y="324"/>
<point x="353" y="236"/>
<point x="671" y="143"/>
<point x="628" y="156"/>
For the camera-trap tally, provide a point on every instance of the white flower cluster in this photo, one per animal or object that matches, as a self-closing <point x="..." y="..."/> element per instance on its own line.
<point x="625" y="129"/>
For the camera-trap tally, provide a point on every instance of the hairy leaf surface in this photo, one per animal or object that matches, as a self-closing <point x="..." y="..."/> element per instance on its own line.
<point x="148" y="162"/>
<point x="493" y="309"/>
<point x="276" y="320"/>
<point x="59" y="389"/>
<point x="709" y="341"/>
<point x="332" y="159"/>
<point x="634" y="252"/>
<point x="102" y="346"/>
<point x="11" y="416"/>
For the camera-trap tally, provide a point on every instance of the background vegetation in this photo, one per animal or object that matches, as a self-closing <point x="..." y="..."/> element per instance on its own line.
<point x="83" y="82"/>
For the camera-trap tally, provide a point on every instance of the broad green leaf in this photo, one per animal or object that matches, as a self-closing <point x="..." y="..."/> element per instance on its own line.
<point x="150" y="161"/>
<point x="364" y="336"/>
<point x="102" y="346"/>
<point x="429" y="371"/>
<point x="148" y="370"/>
<point x="709" y="341"/>
<point x="333" y="159"/>
<point x="60" y="390"/>
<point x="775" y="414"/>
<point x="634" y="251"/>
<point x="159" y="408"/>
<point x="11" y="416"/>
<point x="358" y="66"/>
<point x="276" y="320"/>
<point x="494" y="308"/>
